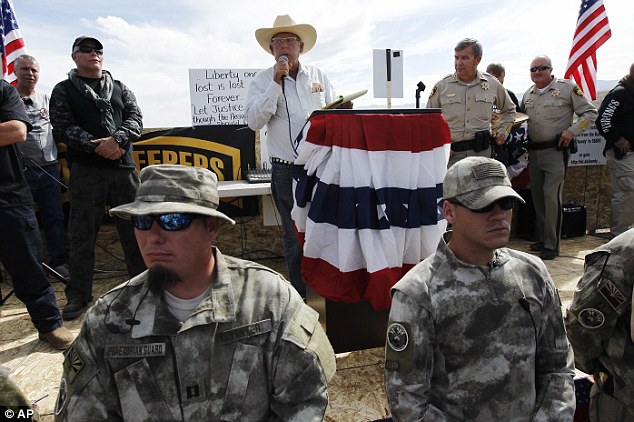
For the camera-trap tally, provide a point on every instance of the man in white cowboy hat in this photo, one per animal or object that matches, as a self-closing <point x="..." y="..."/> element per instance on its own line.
<point x="282" y="97"/>
<point x="199" y="335"/>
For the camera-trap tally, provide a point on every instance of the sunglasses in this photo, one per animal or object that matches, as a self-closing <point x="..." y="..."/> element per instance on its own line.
<point x="168" y="222"/>
<point x="540" y="68"/>
<point x="504" y="203"/>
<point x="89" y="50"/>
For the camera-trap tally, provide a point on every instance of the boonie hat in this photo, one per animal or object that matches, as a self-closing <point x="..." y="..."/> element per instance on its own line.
<point x="170" y="188"/>
<point x="80" y="40"/>
<point x="284" y="23"/>
<point x="477" y="182"/>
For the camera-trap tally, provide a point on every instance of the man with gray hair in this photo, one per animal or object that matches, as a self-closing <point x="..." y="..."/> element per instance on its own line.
<point x="475" y="331"/>
<point x="551" y="104"/>
<point x="468" y="99"/>
<point x="199" y="335"/>
<point x="40" y="160"/>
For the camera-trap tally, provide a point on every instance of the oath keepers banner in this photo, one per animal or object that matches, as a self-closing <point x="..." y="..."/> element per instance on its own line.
<point x="227" y="150"/>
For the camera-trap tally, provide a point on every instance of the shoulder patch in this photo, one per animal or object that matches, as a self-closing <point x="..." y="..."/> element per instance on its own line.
<point x="397" y="337"/>
<point x="433" y="91"/>
<point x="399" y="351"/>
<point x="577" y="91"/>
<point x="73" y="364"/>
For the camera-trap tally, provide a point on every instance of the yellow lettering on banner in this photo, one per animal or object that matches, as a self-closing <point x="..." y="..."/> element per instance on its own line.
<point x="170" y="157"/>
<point x="216" y="165"/>
<point x="200" y="161"/>
<point x="139" y="158"/>
<point x="183" y="157"/>
<point x="152" y="157"/>
<point x="161" y="155"/>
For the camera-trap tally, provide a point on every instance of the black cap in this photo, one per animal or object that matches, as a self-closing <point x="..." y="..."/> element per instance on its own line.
<point x="80" y="40"/>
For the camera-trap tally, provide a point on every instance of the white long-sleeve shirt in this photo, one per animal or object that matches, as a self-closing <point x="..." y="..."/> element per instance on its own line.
<point x="266" y="105"/>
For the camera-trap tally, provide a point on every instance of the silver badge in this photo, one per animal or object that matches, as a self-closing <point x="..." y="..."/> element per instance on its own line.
<point x="397" y="337"/>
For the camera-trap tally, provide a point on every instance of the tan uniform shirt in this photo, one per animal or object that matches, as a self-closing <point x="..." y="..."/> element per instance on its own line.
<point x="468" y="108"/>
<point x="551" y="112"/>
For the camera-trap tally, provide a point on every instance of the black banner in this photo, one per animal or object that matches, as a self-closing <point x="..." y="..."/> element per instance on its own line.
<point x="227" y="150"/>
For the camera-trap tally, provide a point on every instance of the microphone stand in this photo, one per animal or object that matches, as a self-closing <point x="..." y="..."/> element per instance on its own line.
<point x="420" y="88"/>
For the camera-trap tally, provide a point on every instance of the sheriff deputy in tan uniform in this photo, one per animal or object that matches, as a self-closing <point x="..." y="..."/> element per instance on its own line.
<point x="467" y="99"/>
<point x="550" y="104"/>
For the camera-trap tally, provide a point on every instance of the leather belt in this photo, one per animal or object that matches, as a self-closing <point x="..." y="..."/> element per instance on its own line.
<point x="276" y="160"/>
<point x="462" y="145"/>
<point x="541" y="145"/>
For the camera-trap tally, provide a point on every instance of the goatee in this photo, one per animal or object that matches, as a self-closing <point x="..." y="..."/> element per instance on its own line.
<point x="161" y="279"/>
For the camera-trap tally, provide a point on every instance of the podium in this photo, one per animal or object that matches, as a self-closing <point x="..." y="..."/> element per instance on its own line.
<point x="368" y="192"/>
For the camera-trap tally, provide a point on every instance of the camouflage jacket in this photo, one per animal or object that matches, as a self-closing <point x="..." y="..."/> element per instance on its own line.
<point x="251" y="351"/>
<point x="469" y="343"/>
<point x="607" y="347"/>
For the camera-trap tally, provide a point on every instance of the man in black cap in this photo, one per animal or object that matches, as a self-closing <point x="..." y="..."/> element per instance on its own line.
<point x="97" y="117"/>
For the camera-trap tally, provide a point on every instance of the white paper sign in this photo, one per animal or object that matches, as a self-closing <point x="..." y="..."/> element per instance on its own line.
<point x="591" y="145"/>
<point x="219" y="96"/>
<point x="380" y="67"/>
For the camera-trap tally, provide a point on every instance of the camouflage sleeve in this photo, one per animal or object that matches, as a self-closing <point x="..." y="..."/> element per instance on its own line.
<point x="65" y="129"/>
<point x="86" y="390"/>
<point x="130" y="129"/>
<point x="409" y="361"/>
<point x="554" y="362"/>
<point x="303" y="363"/>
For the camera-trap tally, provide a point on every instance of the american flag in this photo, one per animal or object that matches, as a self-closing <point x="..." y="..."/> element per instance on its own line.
<point x="593" y="29"/>
<point x="366" y="189"/>
<point x="12" y="45"/>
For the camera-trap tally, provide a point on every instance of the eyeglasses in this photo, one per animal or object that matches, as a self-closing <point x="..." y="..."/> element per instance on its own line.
<point x="540" y="68"/>
<point x="285" y="40"/>
<point x="169" y="222"/>
<point x="505" y="204"/>
<point x="88" y="50"/>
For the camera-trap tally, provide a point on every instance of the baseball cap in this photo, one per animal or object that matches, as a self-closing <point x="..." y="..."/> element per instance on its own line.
<point x="80" y="40"/>
<point x="172" y="188"/>
<point x="477" y="182"/>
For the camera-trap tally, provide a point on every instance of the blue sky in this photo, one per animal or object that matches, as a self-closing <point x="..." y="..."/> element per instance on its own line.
<point x="150" y="45"/>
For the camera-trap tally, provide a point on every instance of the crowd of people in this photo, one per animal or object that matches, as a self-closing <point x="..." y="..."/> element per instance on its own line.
<point x="475" y="331"/>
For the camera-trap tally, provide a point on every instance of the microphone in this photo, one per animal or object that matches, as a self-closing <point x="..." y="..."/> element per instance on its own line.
<point x="283" y="57"/>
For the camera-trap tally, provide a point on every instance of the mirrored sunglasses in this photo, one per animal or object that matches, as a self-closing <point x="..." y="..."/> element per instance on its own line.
<point x="169" y="222"/>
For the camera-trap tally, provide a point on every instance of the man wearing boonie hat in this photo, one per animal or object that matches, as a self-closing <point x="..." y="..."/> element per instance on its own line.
<point x="199" y="335"/>
<point x="281" y="98"/>
<point x="476" y="330"/>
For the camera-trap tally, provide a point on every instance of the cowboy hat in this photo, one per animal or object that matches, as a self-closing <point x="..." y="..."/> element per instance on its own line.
<point x="284" y="23"/>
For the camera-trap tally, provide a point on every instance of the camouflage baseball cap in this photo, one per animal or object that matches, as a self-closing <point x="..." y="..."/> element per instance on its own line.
<point x="476" y="182"/>
<point x="169" y="188"/>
